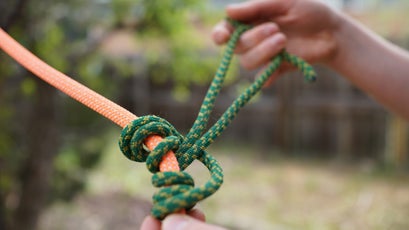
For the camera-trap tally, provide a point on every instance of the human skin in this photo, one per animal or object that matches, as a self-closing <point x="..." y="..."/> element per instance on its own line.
<point x="193" y="220"/>
<point x="320" y="34"/>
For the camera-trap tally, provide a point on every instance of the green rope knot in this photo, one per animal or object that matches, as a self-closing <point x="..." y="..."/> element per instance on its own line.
<point x="178" y="191"/>
<point x="134" y="134"/>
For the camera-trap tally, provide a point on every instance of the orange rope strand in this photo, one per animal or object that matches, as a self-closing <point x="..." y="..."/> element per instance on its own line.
<point x="79" y="92"/>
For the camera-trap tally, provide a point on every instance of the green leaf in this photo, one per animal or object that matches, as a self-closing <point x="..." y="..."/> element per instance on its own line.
<point x="28" y="87"/>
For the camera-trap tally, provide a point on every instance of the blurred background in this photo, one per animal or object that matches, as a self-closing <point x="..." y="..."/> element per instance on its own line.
<point x="303" y="156"/>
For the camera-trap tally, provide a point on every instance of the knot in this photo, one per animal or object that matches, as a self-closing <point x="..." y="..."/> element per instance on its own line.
<point x="178" y="191"/>
<point x="171" y="198"/>
<point x="134" y="134"/>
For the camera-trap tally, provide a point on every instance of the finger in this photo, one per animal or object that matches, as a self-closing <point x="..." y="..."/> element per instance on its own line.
<point x="253" y="37"/>
<point x="197" y="214"/>
<point x="184" y="222"/>
<point x="221" y="32"/>
<point x="150" y="223"/>
<point x="263" y="52"/>
<point x="256" y="10"/>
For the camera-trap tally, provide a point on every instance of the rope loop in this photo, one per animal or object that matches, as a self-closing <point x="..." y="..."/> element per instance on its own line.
<point x="155" y="156"/>
<point x="178" y="191"/>
<point x="177" y="188"/>
<point x="172" y="196"/>
<point x="134" y="134"/>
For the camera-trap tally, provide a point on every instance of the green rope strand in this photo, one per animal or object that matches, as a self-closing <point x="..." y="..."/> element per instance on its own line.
<point x="177" y="188"/>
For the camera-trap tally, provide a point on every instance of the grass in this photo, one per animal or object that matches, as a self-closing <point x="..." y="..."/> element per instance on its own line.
<point x="261" y="191"/>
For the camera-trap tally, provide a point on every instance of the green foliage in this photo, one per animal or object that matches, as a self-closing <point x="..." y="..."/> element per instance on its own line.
<point x="175" y="47"/>
<point x="55" y="40"/>
<point x="28" y="87"/>
<point x="123" y="10"/>
<point x="51" y="47"/>
<point x="166" y="17"/>
<point x="176" y="43"/>
<point x="185" y="57"/>
<point x="91" y="72"/>
<point x="72" y="164"/>
<point x="6" y="171"/>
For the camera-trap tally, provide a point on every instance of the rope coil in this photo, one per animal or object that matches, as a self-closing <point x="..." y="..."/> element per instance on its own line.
<point x="178" y="190"/>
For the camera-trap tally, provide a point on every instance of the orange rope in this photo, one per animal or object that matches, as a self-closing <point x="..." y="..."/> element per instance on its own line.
<point x="79" y="92"/>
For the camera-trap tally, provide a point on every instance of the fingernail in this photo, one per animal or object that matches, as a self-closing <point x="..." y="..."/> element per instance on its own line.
<point x="278" y="39"/>
<point x="269" y="29"/>
<point x="175" y="222"/>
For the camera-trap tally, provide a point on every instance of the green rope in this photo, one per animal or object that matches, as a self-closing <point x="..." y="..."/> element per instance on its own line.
<point x="178" y="191"/>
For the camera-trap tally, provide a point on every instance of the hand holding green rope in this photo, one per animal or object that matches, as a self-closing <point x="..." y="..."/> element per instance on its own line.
<point x="179" y="191"/>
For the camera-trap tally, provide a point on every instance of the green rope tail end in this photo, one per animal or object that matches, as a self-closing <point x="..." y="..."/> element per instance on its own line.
<point x="177" y="188"/>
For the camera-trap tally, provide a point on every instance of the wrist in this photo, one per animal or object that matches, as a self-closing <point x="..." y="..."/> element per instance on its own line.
<point x="340" y="37"/>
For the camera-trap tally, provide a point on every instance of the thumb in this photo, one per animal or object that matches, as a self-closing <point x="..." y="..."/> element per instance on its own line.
<point x="184" y="222"/>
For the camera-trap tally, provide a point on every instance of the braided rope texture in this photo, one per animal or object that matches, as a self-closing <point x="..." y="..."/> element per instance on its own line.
<point x="69" y="86"/>
<point x="178" y="191"/>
